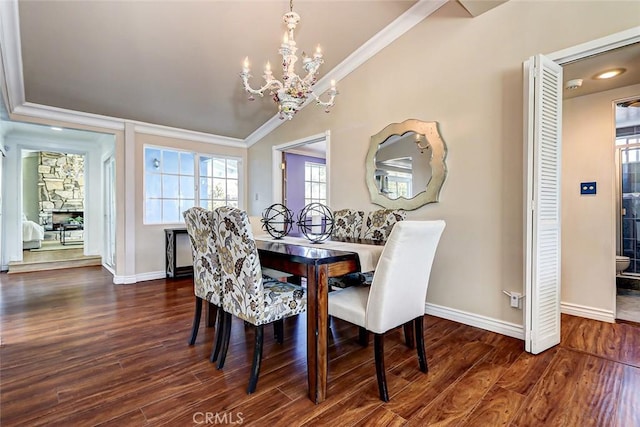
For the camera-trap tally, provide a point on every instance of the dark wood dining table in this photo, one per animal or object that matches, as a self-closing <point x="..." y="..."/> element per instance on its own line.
<point x="317" y="265"/>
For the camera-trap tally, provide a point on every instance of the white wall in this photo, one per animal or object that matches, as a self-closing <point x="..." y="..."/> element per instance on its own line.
<point x="466" y="74"/>
<point x="30" y="201"/>
<point x="589" y="221"/>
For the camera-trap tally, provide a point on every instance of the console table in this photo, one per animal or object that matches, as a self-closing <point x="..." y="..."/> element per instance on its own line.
<point x="170" y="235"/>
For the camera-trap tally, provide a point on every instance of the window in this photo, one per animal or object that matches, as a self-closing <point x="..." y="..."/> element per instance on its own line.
<point x="398" y="185"/>
<point x="315" y="183"/>
<point x="218" y="182"/>
<point x="170" y="184"/>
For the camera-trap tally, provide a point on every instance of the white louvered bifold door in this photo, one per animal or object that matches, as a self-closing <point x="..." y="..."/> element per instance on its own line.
<point x="543" y="122"/>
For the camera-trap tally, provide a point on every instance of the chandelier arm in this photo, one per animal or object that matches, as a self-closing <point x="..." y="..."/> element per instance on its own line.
<point x="272" y="85"/>
<point x="328" y="104"/>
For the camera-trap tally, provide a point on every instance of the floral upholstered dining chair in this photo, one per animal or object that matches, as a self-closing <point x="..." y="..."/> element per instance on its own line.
<point x="379" y="223"/>
<point x="207" y="279"/>
<point x="247" y="293"/>
<point x="377" y="226"/>
<point x="347" y="224"/>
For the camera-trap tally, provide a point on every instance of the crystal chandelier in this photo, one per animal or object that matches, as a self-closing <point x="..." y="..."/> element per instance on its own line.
<point x="293" y="91"/>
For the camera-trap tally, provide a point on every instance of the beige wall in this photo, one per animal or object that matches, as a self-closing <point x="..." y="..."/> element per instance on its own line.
<point x="466" y="74"/>
<point x="150" y="254"/>
<point x="589" y="222"/>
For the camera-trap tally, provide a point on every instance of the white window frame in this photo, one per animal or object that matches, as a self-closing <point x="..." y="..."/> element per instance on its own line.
<point x="225" y="158"/>
<point x="308" y="198"/>
<point x="196" y="177"/>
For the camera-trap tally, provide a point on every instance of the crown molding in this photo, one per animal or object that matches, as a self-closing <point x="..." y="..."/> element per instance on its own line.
<point x="11" y="52"/>
<point x="189" y="135"/>
<point x="414" y="15"/>
<point x="61" y="114"/>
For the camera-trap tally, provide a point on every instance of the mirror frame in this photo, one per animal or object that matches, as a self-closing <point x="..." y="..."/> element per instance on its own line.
<point x="438" y="166"/>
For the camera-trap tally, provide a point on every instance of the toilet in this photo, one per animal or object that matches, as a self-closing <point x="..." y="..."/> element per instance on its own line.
<point x="622" y="263"/>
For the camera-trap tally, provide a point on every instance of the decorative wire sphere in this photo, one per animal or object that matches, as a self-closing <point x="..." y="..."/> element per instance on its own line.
<point x="277" y="220"/>
<point x="316" y="222"/>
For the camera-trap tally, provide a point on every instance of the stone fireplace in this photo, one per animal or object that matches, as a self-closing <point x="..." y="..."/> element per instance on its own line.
<point x="60" y="187"/>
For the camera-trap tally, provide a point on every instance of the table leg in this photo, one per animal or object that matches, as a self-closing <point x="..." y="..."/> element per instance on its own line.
<point x="317" y="315"/>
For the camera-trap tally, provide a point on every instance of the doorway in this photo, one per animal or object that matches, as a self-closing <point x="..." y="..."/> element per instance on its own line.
<point x="627" y="141"/>
<point x="314" y="149"/>
<point x="534" y="313"/>
<point x="66" y="164"/>
<point x="53" y="206"/>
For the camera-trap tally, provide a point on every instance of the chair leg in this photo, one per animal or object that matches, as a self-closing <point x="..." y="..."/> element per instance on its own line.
<point x="278" y="330"/>
<point x="257" y="358"/>
<point x="363" y="336"/>
<point x="196" y="321"/>
<point x="408" y="334"/>
<point x="217" y="342"/>
<point x="212" y="314"/>
<point x="422" y="356"/>
<point x="225" y="340"/>
<point x="378" y="346"/>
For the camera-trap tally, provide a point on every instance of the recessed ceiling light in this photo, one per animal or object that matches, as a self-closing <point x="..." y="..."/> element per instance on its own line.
<point x="55" y="128"/>
<point x="609" y="73"/>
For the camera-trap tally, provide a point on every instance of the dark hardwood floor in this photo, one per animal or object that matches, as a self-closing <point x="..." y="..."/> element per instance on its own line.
<point x="77" y="350"/>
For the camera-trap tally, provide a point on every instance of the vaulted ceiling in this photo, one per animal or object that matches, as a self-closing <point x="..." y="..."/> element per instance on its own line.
<point x="177" y="63"/>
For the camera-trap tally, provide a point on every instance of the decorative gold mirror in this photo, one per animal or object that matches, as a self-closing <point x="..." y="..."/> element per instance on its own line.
<point x="405" y="166"/>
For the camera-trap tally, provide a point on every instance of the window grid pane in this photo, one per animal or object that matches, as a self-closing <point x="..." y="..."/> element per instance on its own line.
<point x="170" y="183"/>
<point x="315" y="186"/>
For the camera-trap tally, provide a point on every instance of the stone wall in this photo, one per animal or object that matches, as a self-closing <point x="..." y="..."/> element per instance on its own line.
<point x="60" y="184"/>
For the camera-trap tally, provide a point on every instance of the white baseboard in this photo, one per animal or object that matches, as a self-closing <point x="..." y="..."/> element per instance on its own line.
<point x="142" y="277"/>
<point x="487" y="323"/>
<point x="123" y="280"/>
<point x="588" y="312"/>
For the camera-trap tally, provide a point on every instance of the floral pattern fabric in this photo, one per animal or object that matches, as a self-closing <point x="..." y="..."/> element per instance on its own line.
<point x="347" y="223"/>
<point x="206" y="269"/>
<point x="379" y="223"/>
<point x="246" y="294"/>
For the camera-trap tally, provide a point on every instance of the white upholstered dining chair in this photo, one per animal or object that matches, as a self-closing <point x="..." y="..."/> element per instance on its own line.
<point x="398" y="291"/>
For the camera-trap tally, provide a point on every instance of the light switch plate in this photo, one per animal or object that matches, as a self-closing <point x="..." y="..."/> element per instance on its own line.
<point x="588" y="187"/>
